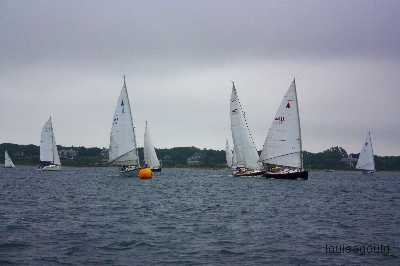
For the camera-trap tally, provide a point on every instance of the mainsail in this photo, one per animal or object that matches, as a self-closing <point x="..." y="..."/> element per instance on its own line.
<point x="8" y="163"/>
<point x="283" y="144"/>
<point x="123" y="149"/>
<point x="48" y="147"/>
<point x="244" y="147"/>
<point x="366" y="158"/>
<point x="228" y="154"/>
<point x="234" y="160"/>
<point x="150" y="156"/>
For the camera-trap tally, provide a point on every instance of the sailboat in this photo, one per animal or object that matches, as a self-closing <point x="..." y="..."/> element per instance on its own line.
<point x="123" y="150"/>
<point x="228" y="155"/>
<point x="244" y="147"/>
<point x="282" y="155"/>
<point x="150" y="156"/>
<point x="49" y="158"/>
<point x="8" y="163"/>
<point x="366" y="161"/>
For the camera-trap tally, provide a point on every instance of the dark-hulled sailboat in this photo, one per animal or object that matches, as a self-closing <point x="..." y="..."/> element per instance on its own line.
<point x="282" y="155"/>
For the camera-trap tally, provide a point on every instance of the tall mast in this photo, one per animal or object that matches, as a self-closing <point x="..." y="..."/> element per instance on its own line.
<point x="298" y="118"/>
<point x="133" y="126"/>
<point x="52" y="138"/>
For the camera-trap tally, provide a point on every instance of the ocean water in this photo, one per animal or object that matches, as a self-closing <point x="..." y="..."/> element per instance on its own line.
<point x="93" y="216"/>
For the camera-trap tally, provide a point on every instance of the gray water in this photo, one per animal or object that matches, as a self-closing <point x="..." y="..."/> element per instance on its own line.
<point x="93" y="216"/>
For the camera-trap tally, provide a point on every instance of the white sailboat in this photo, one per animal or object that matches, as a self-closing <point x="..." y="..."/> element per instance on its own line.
<point x="49" y="158"/>
<point x="149" y="152"/>
<point x="366" y="161"/>
<point x="244" y="147"/>
<point x="123" y="149"/>
<point x="282" y="155"/>
<point x="8" y="163"/>
<point x="228" y="155"/>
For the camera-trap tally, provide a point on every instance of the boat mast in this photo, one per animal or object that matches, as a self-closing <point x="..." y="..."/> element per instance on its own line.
<point x="298" y="118"/>
<point x="133" y="126"/>
<point x="372" y="148"/>
<point x="52" y="139"/>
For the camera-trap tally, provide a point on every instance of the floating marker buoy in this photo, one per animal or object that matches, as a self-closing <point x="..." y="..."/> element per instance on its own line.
<point x="145" y="173"/>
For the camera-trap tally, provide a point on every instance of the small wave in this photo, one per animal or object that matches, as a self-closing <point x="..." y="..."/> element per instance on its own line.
<point x="6" y="262"/>
<point x="144" y="244"/>
<point x="231" y="252"/>
<point x="14" y="245"/>
<point x="124" y="245"/>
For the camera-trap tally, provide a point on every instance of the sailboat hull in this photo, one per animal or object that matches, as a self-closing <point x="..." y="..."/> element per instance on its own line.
<point x="129" y="171"/>
<point x="156" y="169"/>
<point x="247" y="173"/>
<point x="368" y="172"/>
<point x="292" y="176"/>
<point x="51" y="167"/>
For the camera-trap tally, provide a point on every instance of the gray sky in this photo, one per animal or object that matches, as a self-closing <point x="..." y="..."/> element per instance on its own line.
<point x="66" y="58"/>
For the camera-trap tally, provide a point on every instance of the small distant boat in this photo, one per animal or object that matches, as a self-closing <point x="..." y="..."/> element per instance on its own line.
<point x="366" y="161"/>
<point x="8" y="163"/>
<point x="150" y="156"/>
<point x="243" y="144"/>
<point x="228" y="155"/>
<point x="49" y="158"/>
<point x="123" y="149"/>
<point x="282" y="155"/>
<point x="330" y="170"/>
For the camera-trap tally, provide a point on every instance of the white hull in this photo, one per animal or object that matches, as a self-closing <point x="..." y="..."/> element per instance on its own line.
<point x="246" y="172"/>
<point x="51" y="167"/>
<point x="368" y="172"/>
<point x="129" y="171"/>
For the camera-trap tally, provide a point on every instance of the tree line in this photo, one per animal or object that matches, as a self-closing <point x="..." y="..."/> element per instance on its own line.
<point x="333" y="158"/>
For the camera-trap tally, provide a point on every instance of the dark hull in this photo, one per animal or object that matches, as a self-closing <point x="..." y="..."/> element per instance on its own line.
<point x="156" y="169"/>
<point x="291" y="176"/>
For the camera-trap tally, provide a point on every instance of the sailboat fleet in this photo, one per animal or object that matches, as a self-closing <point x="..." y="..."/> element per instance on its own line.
<point x="281" y="156"/>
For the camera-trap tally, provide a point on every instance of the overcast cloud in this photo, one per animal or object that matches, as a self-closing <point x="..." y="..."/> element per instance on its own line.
<point x="67" y="58"/>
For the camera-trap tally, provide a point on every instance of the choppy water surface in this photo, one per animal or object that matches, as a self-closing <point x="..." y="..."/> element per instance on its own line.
<point x="187" y="216"/>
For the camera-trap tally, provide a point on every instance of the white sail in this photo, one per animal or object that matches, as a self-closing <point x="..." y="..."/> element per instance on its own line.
<point x="123" y="150"/>
<point x="366" y="158"/>
<point x="8" y="163"/>
<point x="244" y="147"/>
<point x="283" y="143"/>
<point x="234" y="160"/>
<point x="48" y="146"/>
<point x="228" y="154"/>
<point x="150" y="156"/>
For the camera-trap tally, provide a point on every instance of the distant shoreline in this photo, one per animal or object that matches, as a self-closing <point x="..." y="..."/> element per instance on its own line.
<point x="335" y="158"/>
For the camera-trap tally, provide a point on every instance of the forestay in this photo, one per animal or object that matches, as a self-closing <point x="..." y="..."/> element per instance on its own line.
<point x="283" y="145"/>
<point x="122" y="138"/>
<point x="366" y="158"/>
<point x="244" y="147"/>
<point x="150" y="156"/>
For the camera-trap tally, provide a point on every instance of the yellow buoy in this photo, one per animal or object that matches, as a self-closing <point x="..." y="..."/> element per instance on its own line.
<point x="145" y="173"/>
